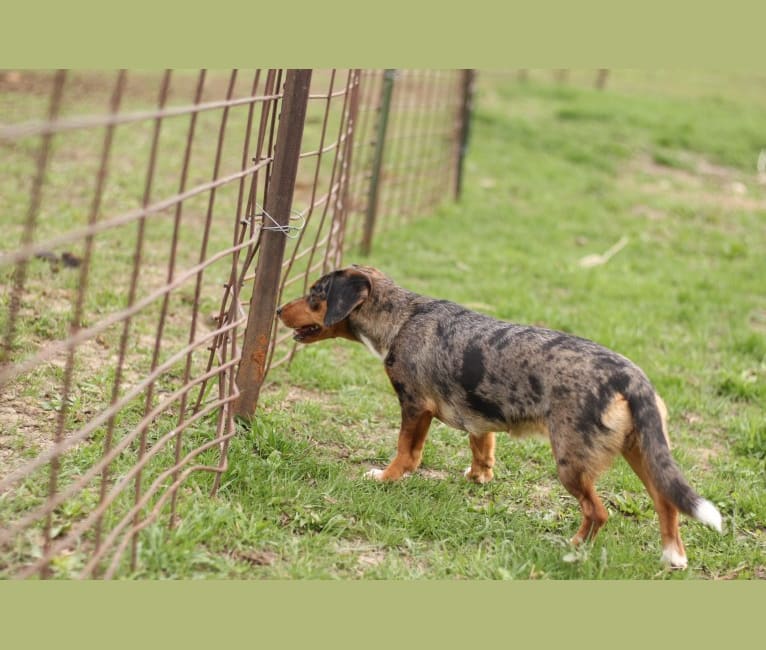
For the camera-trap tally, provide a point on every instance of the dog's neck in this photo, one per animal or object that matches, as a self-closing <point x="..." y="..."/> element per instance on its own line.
<point x="376" y="322"/>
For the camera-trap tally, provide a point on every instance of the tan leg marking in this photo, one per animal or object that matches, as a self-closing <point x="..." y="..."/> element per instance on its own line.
<point x="483" y="450"/>
<point x="409" y="451"/>
<point x="594" y="514"/>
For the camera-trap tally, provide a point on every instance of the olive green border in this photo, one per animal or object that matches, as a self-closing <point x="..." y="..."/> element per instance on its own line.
<point x="212" y="614"/>
<point x="396" y="33"/>
<point x="431" y="614"/>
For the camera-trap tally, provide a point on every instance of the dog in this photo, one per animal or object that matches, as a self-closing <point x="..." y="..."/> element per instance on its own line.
<point x="482" y="375"/>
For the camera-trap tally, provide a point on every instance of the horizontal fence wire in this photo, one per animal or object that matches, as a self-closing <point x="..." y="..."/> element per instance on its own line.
<point x="132" y="211"/>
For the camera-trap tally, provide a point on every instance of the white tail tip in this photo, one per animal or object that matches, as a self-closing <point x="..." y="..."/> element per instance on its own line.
<point x="708" y="514"/>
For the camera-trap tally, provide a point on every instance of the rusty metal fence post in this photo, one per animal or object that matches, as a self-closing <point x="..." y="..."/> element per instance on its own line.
<point x="276" y="217"/>
<point x="465" y="127"/>
<point x="377" y="162"/>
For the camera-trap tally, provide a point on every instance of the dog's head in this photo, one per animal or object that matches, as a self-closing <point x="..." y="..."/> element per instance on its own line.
<point x="323" y="312"/>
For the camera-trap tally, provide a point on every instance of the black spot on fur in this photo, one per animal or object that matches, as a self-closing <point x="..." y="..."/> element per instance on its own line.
<point x="471" y="375"/>
<point x="487" y="408"/>
<point x="617" y="383"/>
<point x="560" y="391"/>
<point x="429" y="307"/>
<point x="589" y="422"/>
<point x="473" y="369"/>
<point x="401" y="391"/>
<point x="498" y="338"/>
<point x="561" y="340"/>
<point x="443" y="387"/>
<point x="442" y="331"/>
<point x="536" y="385"/>
<point x="608" y="362"/>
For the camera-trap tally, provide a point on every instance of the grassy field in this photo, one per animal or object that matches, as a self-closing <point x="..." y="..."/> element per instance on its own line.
<point x="554" y="174"/>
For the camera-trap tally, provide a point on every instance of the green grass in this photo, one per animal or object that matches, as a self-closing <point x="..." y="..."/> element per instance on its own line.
<point x="553" y="174"/>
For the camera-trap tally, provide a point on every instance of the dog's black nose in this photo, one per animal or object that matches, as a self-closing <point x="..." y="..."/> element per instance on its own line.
<point x="279" y="311"/>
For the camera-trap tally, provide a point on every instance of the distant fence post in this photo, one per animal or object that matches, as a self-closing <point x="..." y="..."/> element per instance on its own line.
<point x="377" y="162"/>
<point x="465" y="127"/>
<point x="260" y="320"/>
<point x="601" y="78"/>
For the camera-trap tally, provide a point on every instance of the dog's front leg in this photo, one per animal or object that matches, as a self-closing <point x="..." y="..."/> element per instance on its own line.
<point x="483" y="450"/>
<point x="409" y="452"/>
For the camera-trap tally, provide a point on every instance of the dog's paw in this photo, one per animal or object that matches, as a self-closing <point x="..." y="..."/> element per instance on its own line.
<point x="374" y="474"/>
<point x="673" y="559"/>
<point x="480" y="478"/>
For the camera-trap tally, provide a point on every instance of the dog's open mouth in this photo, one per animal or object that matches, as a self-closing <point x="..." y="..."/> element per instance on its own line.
<point x="306" y="331"/>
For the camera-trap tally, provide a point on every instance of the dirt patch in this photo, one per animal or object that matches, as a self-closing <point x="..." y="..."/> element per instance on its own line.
<point x="296" y="394"/>
<point x="256" y="558"/>
<point x="648" y="212"/>
<point x="433" y="474"/>
<point x="758" y="573"/>
<point x="21" y="435"/>
<point x="368" y="560"/>
<point x="28" y="419"/>
<point x="705" y="456"/>
<point x="542" y="495"/>
<point x="367" y="556"/>
<point x="757" y="320"/>
<point x="698" y="182"/>
<point x="30" y="405"/>
<point x="702" y="456"/>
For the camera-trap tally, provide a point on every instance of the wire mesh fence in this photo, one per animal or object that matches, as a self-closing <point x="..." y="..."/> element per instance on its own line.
<point x="411" y="121"/>
<point x="151" y="221"/>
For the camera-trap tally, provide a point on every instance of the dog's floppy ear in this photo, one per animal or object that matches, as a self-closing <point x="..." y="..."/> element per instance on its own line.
<point x="347" y="291"/>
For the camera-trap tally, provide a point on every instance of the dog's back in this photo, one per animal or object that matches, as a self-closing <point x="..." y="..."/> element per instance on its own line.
<point x="495" y="374"/>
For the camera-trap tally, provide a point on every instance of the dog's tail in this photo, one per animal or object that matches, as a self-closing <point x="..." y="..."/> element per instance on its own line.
<point x="648" y="417"/>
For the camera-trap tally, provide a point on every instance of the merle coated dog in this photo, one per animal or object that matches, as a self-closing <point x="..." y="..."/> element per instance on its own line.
<point x="482" y="375"/>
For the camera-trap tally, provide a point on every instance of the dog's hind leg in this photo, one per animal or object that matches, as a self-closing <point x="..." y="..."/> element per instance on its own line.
<point x="578" y="468"/>
<point x="483" y="450"/>
<point x="594" y="514"/>
<point x="409" y="451"/>
<point x="673" y="551"/>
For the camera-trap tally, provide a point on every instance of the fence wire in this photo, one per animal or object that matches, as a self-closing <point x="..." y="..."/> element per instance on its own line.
<point x="132" y="212"/>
